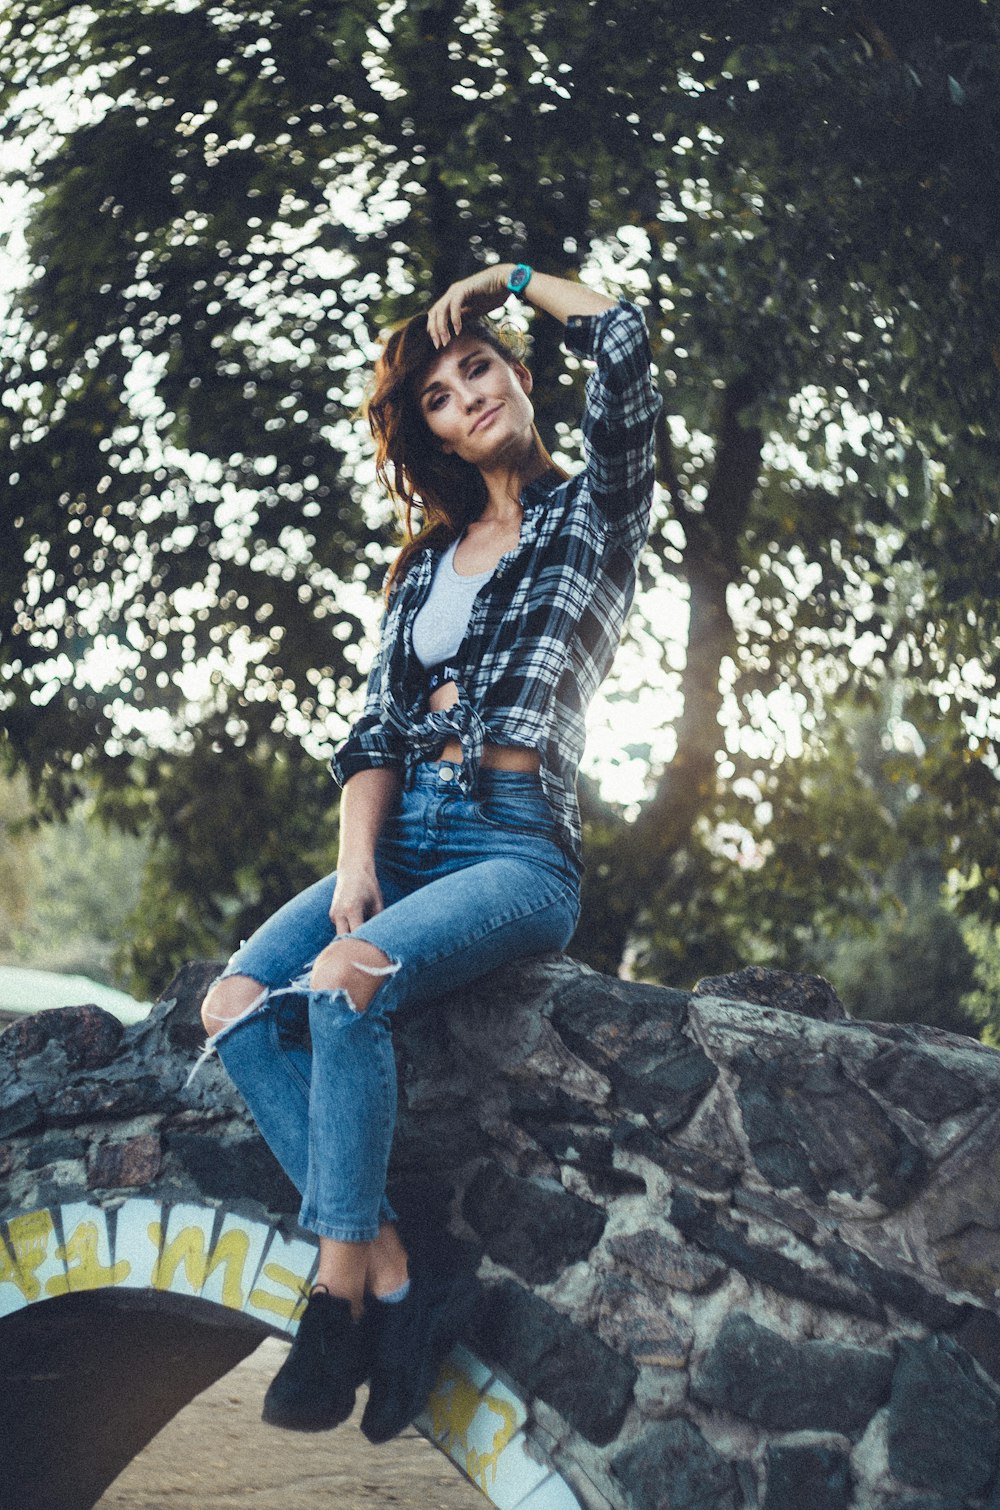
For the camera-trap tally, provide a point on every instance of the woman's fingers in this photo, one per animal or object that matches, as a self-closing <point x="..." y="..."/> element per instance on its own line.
<point x="437" y="321"/>
<point x="350" y="908"/>
<point x="444" y="319"/>
<point x="477" y="295"/>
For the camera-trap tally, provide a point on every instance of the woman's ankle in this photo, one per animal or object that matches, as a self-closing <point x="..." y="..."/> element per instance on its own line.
<point x="388" y="1267"/>
<point x="342" y="1271"/>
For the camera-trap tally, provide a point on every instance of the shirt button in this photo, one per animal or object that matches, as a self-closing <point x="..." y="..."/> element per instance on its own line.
<point x="446" y="773"/>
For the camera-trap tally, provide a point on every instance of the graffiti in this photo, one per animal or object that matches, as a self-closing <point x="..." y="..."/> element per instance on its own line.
<point x="88" y="1273"/>
<point x="281" y="1305"/>
<point x="37" y="1265"/>
<point x="188" y="1250"/>
<point x="249" y="1266"/>
<point x="454" y="1406"/>
<point x="30" y="1237"/>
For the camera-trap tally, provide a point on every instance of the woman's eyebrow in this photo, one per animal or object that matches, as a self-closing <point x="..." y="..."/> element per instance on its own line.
<point x="470" y="356"/>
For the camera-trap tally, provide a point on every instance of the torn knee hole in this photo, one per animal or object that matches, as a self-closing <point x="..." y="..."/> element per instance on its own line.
<point x="333" y="972"/>
<point x="235" y="1003"/>
<point x="389" y="968"/>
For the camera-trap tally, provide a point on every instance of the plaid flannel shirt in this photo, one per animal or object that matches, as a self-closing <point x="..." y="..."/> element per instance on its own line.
<point x="545" y="627"/>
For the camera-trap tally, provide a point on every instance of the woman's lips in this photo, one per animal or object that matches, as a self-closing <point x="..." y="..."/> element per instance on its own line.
<point x="484" y="419"/>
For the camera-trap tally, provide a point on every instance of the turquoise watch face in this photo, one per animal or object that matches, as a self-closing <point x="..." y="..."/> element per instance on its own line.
<point x="518" y="280"/>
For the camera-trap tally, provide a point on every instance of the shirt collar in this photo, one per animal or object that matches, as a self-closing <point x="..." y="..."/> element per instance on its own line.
<point x="535" y="493"/>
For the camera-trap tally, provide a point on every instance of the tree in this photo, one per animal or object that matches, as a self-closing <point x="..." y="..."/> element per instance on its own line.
<point x="68" y="888"/>
<point x="240" y="197"/>
<point x="17" y="861"/>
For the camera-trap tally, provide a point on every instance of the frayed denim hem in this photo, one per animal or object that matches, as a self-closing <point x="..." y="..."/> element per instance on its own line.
<point x="339" y="1234"/>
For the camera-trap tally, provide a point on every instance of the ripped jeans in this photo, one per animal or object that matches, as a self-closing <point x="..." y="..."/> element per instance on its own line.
<point x="468" y="883"/>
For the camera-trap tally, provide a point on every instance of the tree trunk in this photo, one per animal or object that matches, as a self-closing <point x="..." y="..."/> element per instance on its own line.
<point x="632" y="862"/>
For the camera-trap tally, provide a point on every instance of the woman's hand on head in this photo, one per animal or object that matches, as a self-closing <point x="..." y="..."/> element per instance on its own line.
<point x="469" y="298"/>
<point x="356" y="896"/>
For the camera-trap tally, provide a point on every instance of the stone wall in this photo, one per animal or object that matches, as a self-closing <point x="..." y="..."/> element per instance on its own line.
<point x="736" y="1249"/>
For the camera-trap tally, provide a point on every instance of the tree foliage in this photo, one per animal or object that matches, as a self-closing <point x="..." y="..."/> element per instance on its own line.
<point x="68" y="888"/>
<point x="226" y="201"/>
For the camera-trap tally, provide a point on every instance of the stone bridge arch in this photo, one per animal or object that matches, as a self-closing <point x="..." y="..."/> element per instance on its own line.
<point x="737" y="1251"/>
<point x="201" y="1285"/>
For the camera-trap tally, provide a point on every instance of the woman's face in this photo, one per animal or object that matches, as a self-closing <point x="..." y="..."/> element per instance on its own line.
<point x="476" y="404"/>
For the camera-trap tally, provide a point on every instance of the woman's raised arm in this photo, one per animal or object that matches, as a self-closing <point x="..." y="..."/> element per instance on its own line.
<point x="486" y="290"/>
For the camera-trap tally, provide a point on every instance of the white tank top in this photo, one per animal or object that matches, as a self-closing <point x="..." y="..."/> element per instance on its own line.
<point x="439" y="628"/>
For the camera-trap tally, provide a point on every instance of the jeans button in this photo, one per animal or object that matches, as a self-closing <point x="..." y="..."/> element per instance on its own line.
<point x="446" y="773"/>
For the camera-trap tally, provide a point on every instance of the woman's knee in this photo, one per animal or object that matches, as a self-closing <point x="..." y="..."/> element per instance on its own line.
<point x="353" y="966"/>
<point x="229" y="998"/>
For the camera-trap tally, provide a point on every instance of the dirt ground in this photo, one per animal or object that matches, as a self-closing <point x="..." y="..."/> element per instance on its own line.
<point x="217" y="1455"/>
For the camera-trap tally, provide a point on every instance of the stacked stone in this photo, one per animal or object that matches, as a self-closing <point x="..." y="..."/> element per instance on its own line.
<point x="741" y="1250"/>
<point x="737" y="1250"/>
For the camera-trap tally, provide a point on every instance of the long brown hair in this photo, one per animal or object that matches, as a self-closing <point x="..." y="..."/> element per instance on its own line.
<point x="448" y="492"/>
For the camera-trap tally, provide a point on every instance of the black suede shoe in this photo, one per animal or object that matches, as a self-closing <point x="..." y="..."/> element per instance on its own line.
<point x="411" y="1340"/>
<point x="314" y="1388"/>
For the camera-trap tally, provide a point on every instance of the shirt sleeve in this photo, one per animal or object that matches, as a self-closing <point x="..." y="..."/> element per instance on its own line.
<point x="371" y="742"/>
<point x="622" y="403"/>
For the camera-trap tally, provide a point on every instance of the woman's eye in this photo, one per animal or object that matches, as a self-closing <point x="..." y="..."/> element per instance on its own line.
<point x="437" y="401"/>
<point x="479" y="369"/>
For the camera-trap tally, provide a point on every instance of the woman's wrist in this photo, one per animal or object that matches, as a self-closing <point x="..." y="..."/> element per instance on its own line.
<point x="356" y="862"/>
<point x="518" y="276"/>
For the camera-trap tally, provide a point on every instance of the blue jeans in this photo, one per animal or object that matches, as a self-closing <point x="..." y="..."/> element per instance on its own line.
<point x="468" y="883"/>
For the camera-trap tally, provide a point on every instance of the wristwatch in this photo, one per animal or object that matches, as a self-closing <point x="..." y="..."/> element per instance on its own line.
<point x="438" y="675"/>
<point x="519" y="278"/>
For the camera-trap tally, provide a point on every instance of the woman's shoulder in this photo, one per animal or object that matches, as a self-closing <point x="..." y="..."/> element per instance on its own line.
<point x="414" y="561"/>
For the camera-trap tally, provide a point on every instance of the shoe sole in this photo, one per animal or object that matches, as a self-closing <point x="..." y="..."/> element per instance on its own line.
<point x="293" y="1421"/>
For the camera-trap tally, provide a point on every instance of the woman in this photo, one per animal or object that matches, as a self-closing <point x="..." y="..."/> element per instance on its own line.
<point x="460" y="833"/>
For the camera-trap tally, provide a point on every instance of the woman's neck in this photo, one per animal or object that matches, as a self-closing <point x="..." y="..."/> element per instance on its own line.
<point x="504" y="484"/>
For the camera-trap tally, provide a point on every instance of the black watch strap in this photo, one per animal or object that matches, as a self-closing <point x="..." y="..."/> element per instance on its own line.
<point x="438" y="675"/>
